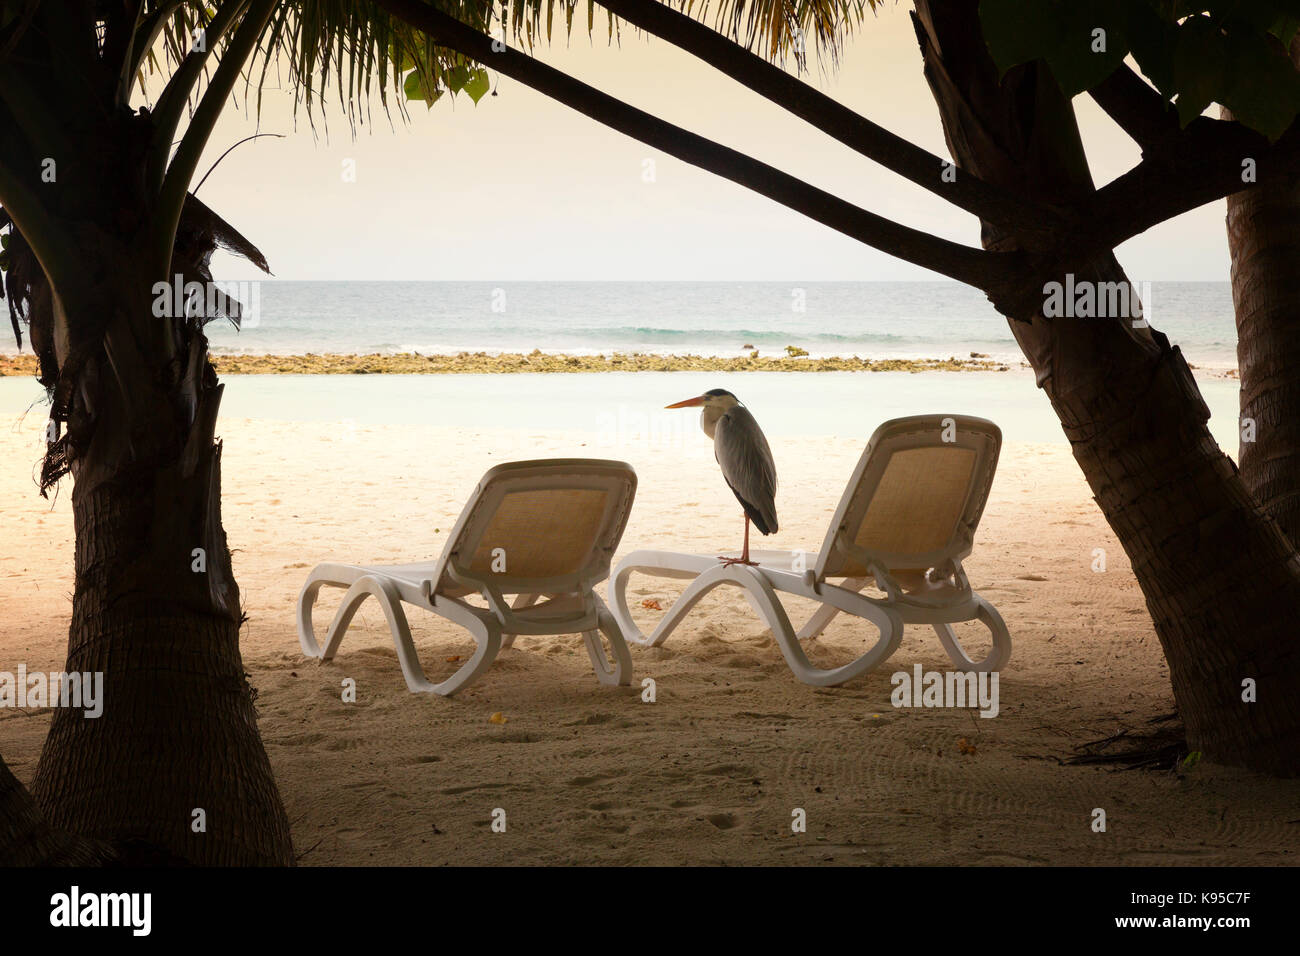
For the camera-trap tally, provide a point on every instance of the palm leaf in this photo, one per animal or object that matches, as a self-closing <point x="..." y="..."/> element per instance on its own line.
<point x="355" y="51"/>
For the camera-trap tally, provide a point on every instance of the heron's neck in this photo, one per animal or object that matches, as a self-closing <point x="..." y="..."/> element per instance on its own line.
<point x="709" y="416"/>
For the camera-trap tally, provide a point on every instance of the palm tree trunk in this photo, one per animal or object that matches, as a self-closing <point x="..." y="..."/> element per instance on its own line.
<point x="1264" y="239"/>
<point x="174" y="769"/>
<point x="1220" y="580"/>
<point x="27" y="839"/>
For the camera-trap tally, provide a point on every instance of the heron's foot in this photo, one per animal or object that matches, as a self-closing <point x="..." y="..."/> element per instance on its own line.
<point x="728" y="562"/>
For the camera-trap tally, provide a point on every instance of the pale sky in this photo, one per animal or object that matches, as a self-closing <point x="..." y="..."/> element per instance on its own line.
<point x="520" y="187"/>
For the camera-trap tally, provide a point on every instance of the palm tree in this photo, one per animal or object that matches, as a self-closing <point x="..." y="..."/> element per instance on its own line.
<point x="99" y="203"/>
<point x="96" y="189"/>
<point x="1221" y="579"/>
<point x="1264" y="240"/>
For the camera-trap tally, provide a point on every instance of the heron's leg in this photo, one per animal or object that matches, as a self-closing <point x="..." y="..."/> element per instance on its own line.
<point x="744" y="553"/>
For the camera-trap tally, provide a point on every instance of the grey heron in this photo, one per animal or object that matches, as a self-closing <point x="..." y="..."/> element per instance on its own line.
<point x="745" y="458"/>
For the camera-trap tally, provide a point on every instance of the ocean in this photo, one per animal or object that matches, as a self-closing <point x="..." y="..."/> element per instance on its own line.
<point x="872" y="320"/>
<point x="868" y="319"/>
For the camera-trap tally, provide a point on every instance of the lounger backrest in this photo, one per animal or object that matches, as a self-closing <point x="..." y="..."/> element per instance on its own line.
<point x="546" y="526"/>
<point x="915" y="497"/>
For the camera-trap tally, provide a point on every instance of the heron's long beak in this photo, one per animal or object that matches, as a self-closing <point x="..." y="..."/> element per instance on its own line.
<point x="689" y="403"/>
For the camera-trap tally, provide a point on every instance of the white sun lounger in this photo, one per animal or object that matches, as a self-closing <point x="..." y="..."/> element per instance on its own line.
<point x="906" y="521"/>
<point x="542" y="530"/>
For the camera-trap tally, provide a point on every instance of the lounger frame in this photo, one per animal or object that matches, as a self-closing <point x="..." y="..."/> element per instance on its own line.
<point x="940" y="602"/>
<point x="557" y="604"/>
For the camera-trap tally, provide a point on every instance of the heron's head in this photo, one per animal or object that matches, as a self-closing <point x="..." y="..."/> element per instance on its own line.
<point x="715" y="398"/>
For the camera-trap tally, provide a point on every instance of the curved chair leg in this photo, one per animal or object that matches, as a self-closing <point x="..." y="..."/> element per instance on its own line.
<point x="521" y="602"/>
<point x="826" y="613"/>
<point x="680" y="567"/>
<point x="306" y="601"/>
<point x="764" y="596"/>
<point x="619" y="673"/>
<point x="488" y="646"/>
<point x="488" y="640"/>
<point x="618" y="601"/>
<point x="385" y="594"/>
<point x="998" y="655"/>
<point x="817" y="623"/>
<point x="697" y="589"/>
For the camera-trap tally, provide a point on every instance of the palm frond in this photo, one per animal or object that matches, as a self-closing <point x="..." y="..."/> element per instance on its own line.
<point x="780" y="30"/>
<point x="352" y="50"/>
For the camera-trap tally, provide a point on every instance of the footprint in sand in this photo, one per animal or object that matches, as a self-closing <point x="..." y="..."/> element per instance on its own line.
<point x="515" y="737"/>
<point x="588" y="720"/>
<point x="587" y="781"/>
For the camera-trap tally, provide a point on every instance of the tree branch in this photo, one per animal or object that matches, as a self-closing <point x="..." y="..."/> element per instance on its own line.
<point x="148" y="29"/>
<point x="963" y="263"/>
<point x="18" y="28"/>
<point x="1181" y="168"/>
<point x="176" y="94"/>
<point x="1138" y="109"/>
<point x="56" y="256"/>
<point x="33" y="116"/>
<point x="121" y="20"/>
<point x="183" y="165"/>
<point x="1033" y="223"/>
<point x="1203" y="164"/>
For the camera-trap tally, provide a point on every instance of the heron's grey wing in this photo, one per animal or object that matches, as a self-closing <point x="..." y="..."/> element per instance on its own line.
<point x="747" y="464"/>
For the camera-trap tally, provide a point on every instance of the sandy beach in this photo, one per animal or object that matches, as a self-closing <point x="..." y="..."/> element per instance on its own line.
<point x="712" y="771"/>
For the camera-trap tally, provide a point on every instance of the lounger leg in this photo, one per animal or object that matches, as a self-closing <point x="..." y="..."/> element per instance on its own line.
<point x="619" y="673"/>
<point x="997" y="656"/>
<point x="622" y="613"/>
<point x="486" y="637"/>
<point x="353" y="598"/>
<point x="488" y="643"/>
<point x="391" y="604"/>
<point x="697" y="589"/>
<point x="826" y="613"/>
<point x="762" y="597"/>
<point x="891" y="634"/>
<point x="521" y="602"/>
<point x="306" y="629"/>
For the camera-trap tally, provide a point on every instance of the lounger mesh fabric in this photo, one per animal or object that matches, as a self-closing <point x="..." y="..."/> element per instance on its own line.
<point x="543" y="533"/>
<point x="916" y="498"/>
<point x="917" y="504"/>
